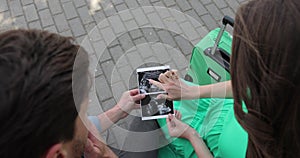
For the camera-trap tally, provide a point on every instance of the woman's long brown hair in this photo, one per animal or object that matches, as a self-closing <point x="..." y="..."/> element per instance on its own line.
<point x="265" y="69"/>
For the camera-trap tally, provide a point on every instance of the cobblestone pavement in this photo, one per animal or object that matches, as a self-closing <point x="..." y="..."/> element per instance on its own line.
<point x="120" y="36"/>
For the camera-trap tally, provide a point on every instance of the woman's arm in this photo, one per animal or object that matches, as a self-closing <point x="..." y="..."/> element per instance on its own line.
<point x="179" y="129"/>
<point x="178" y="89"/>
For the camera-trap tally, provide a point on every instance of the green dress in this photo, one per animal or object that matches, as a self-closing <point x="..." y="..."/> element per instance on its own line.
<point x="215" y="122"/>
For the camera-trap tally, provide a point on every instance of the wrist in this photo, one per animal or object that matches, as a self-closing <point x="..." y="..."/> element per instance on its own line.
<point x="120" y="113"/>
<point x="194" y="92"/>
<point x="192" y="134"/>
<point x="188" y="133"/>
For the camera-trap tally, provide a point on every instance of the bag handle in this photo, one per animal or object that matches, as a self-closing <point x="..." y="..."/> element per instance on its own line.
<point x="226" y="20"/>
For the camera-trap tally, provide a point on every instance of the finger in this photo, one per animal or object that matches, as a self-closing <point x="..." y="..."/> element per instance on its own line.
<point x="138" y="97"/>
<point x="178" y="115"/>
<point x="168" y="74"/>
<point x="133" y="92"/>
<point x="137" y="106"/>
<point x="164" y="96"/>
<point x="157" y="84"/>
<point x="163" y="79"/>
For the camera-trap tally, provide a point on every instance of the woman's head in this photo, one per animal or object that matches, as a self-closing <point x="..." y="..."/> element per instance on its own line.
<point x="265" y="73"/>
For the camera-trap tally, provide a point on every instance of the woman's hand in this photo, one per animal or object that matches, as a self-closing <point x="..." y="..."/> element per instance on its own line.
<point x="175" y="87"/>
<point x="177" y="128"/>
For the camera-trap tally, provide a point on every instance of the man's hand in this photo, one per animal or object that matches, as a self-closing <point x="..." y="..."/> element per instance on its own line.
<point x="128" y="102"/>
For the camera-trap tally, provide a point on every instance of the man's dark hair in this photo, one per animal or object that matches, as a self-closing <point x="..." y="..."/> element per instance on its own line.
<point x="37" y="105"/>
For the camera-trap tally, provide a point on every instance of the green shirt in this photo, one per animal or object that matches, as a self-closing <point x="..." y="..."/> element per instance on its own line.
<point x="215" y="121"/>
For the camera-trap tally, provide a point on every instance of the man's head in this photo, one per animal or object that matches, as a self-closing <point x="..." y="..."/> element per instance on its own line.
<point x="38" y="115"/>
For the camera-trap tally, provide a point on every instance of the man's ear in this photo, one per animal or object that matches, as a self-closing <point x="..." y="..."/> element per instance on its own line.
<point x="56" y="151"/>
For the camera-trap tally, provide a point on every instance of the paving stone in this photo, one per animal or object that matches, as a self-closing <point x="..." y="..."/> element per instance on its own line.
<point x="209" y="22"/>
<point x="139" y="16"/>
<point x="150" y="34"/>
<point x="131" y="24"/>
<point x="101" y="50"/>
<point x="121" y="7"/>
<point x="15" y="8"/>
<point x="108" y="67"/>
<point x="206" y="1"/>
<point x="161" y="53"/>
<point x="189" y="30"/>
<point x="233" y="4"/>
<point x="152" y="1"/>
<point x="131" y="3"/>
<point x="193" y="18"/>
<point x="25" y="2"/>
<point x="183" y="5"/>
<point x="77" y="27"/>
<point x="110" y="11"/>
<point x="69" y="10"/>
<point x="93" y="32"/>
<point x="98" y="16"/>
<point x="179" y="59"/>
<point x="199" y="8"/>
<point x="158" y="4"/>
<point x="67" y="33"/>
<point x="30" y="13"/>
<point x="145" y="50"/>
<point x="135" y="33"/>
<point x="116" y="52"/>
<point x="6" y="22"/>
<point x="169" y="3"/>
<point x="163" y="13"/>
<point x="116" y="2"/>
<point x="148" y="9"/>
<point x="118" y="89"/>
<point x="144" y="2"/>
<point x="108" y="104"/>
<point x="125" y="73"/>
<point x="98" y="71"/>
<point x="116" y="75"/>
<point x="61" y="22"/>
<point x="41" y="4"/>
<point x="55" y="6"/>
<point x="108" y="35"/>
<point x="46" y="18"/>
<point x="184" y="45"/>
<point x="126" y="42"/>
<point x="140" y="40"/>
<point x="125" y="15"/>
<point x="51" y="29"/>
<point x="84" y="15"/>
<point x="214" y="11"/>
<point x="228" y="11"/>
<point x="20" y="22"/>
<point x="166" y="38"/>
<point x="220" y="3"/>
<point x="172" y="25"/>
<point x="117" y="24"/>
<point x="35" y="25"/>
<point x="178" y="16"/>
<point x="79" y="3"/>
<point x="155" y="20"/>
<point x="102" y="88"/>
<point x="3" y="6"/>
<point x="135" y="60"/>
